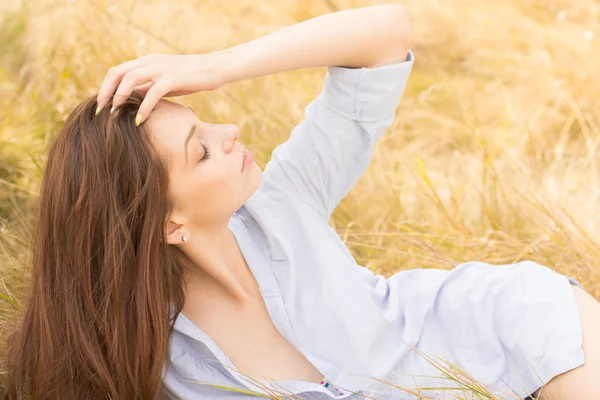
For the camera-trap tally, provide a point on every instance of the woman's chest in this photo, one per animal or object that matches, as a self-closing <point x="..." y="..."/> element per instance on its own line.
<point x="247" y="335"/>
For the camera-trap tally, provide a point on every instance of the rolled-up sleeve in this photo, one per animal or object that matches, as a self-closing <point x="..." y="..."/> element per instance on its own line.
<point x="331" y="148"/>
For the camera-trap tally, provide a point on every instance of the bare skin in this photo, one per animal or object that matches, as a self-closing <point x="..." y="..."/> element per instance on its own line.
<point x="245" y="332"/>
<point x="208" y="185"/>
<point x="582" y="382"/>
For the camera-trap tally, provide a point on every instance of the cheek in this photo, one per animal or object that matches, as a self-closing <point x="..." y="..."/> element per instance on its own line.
<point x="217" y="185"/>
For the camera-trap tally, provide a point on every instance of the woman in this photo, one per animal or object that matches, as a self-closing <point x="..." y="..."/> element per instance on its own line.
<point x="167" y="262"/>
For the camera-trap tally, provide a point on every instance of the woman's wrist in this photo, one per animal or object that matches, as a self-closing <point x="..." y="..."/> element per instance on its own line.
<point x="361" y="37"/>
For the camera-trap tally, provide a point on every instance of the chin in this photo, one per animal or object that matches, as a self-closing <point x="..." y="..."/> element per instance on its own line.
<point x="255" y="177"/>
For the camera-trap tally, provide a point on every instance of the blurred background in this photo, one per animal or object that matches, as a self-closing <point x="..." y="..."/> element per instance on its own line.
<point x="493" y="155"/>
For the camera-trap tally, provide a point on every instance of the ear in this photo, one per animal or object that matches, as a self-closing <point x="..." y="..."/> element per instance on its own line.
<point x="175" y="231"/>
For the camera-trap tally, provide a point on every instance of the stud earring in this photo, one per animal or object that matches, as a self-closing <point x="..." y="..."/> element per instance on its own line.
<point x="184" y="238"/>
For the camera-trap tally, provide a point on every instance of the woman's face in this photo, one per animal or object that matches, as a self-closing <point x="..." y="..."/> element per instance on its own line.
<point x="207" y="181"/>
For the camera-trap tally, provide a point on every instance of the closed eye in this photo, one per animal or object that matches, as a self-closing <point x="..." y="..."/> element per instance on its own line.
<point x="206" y="154"/>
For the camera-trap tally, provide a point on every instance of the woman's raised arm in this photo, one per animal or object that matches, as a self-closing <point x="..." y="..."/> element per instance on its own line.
<point x="361" y="37"/>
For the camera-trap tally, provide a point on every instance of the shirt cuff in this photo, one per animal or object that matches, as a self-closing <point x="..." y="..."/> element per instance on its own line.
<point x="367" y="94"/>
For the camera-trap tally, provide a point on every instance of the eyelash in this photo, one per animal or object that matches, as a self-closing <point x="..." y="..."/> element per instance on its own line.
<point x="206" y="154"/>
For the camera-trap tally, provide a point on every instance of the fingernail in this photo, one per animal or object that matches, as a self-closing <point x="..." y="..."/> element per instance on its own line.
<point x="138" y="119"/>
<point x="97" y="110"/>
<point x="112" y="109"/>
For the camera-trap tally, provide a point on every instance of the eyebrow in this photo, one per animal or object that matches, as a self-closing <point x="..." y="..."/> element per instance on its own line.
<point x="187" y="139"/>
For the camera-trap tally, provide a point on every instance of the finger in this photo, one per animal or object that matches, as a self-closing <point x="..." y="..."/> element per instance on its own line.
<point x="152" y="98"/>
<point x="130" y="80"/>
<point x="111" y="80"/>
<point x="143" y="89"/>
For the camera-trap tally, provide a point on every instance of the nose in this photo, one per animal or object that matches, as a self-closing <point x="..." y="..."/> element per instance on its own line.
<point x="231" y="134"/>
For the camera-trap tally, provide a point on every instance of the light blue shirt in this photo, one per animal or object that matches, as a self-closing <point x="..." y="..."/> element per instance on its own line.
<point x="355" y="326"/>
<point x="338" y="314"/>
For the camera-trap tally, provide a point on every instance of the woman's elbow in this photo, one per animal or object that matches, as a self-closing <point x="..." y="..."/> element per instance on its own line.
<point x="402" y="18"/>
<point x="400" y="38"/>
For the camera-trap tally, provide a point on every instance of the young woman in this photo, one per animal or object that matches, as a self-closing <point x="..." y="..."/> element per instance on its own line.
<point x="166" y="262"/>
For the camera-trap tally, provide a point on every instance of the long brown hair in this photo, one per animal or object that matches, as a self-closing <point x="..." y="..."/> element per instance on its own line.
<point x="104" y="281"/>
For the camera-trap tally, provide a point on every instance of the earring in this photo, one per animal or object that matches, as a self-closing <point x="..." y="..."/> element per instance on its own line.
<point x="184" y="238"/>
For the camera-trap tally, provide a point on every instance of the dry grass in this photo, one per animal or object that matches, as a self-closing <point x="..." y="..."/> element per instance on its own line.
<point x="492" y="156"/>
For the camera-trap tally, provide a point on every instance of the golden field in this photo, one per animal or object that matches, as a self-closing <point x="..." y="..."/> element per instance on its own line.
<point x="493" y="155"/>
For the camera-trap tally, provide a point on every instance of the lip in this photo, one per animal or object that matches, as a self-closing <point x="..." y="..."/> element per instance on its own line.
<point x="247" y="159"/>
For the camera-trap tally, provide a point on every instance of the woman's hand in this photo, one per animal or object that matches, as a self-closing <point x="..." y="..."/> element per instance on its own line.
<point x="158" y="75"/>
